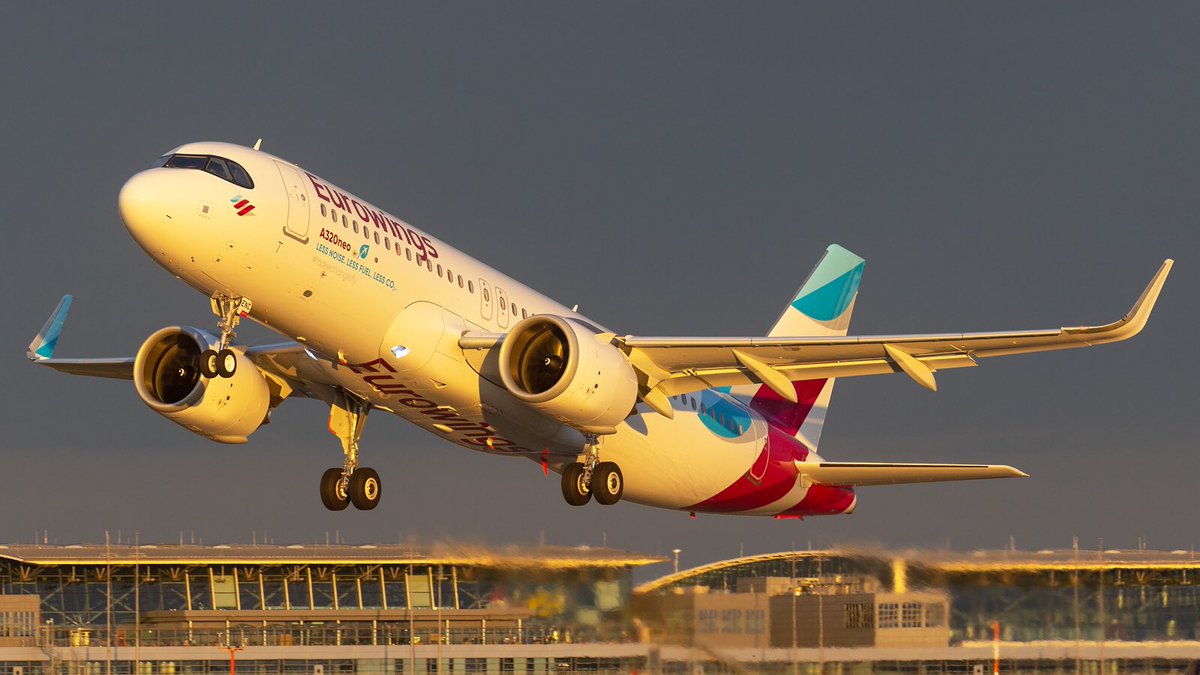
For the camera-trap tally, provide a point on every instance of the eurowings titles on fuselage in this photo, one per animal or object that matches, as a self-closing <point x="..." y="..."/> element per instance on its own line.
<point x="380" y="315"/>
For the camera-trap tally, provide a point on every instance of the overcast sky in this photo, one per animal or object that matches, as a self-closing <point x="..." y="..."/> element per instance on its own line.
<point x="675" y="169"/>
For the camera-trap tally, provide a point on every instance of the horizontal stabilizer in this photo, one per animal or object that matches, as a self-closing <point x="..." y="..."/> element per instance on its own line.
<point x="870" y="473"/>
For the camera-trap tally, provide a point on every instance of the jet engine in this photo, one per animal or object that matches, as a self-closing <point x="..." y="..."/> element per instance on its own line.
<point x="166" y="373"/>
<point x="566" y="370"/>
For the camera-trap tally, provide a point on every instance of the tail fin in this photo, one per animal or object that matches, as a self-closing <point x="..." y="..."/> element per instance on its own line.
<point x="822" y="307"/>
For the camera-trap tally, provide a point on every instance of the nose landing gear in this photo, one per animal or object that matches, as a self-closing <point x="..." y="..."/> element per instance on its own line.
<point x="222" y="362"/>
<point x="580" y="480"/>
<point x="350" y="484"/>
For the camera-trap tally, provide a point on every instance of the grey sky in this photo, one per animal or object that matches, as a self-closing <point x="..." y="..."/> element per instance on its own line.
<point x="675" y="169"/>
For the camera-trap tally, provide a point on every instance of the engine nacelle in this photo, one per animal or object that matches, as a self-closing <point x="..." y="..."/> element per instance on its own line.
<point x="563" y="369"/>
<point x="167" y="376"/>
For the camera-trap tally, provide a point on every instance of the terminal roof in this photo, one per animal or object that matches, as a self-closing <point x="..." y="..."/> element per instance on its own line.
<point x="534" y="557"/>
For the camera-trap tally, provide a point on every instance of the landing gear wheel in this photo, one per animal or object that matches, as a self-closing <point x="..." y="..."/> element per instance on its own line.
<point x="607" y="483"/>
<point x="575" y="489"/>
<point x="365" y="489"/>
<point x="332" y="495"/>
<point x="208" y="363"/>
<point x="226" y="363"/>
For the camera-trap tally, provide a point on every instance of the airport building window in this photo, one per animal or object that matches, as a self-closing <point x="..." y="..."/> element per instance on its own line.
<point x="910" y="615"/>
<point x="220" y="167"/>
<point x="889" y="615"/>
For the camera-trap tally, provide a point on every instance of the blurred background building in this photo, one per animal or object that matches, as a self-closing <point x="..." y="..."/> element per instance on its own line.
<point x="321" y="610"/>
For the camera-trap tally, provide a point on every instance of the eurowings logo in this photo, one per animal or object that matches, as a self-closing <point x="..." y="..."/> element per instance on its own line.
<point x="242" y="205"/>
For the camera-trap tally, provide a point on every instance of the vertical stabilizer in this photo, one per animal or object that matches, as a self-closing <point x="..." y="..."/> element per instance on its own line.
<point x="822" y="307"/>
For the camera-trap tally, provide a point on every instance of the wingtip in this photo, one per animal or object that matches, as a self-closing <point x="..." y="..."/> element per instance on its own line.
<point x="42" y="347"/>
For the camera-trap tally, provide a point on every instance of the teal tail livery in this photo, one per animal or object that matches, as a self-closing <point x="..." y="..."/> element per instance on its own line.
<point x="821" y="307"/>
<point x="825" y="301"/>
<point x="46" y="340"/>
<point x="376" y="316"/>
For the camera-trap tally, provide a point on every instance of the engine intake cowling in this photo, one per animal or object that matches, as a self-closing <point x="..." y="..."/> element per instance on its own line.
<point x="562" y="368"/>
<point x="166" y="374"/>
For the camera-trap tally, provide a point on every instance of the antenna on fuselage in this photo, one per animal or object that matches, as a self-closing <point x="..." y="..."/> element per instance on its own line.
<point x="258" y="144"/>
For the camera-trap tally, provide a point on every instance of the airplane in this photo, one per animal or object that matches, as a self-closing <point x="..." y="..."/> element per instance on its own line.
<point x="380" y="315"/>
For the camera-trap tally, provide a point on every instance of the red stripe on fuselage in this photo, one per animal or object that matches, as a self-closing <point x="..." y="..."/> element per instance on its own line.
<point x="780" y="453"/>
<point x="782" y="413"/>
<point x="823" y="500"/>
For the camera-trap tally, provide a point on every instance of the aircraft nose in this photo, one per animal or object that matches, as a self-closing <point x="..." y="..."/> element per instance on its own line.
<point x="142" y="204"/>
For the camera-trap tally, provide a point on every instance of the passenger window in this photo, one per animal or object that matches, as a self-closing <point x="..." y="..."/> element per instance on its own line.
<point x="693" y="402"/>
<point x="450" y="277"/>
<point x="333" y="215"/>
<point x="323" y="213"/>
<point x="514" y="309"/>
<point x="344" y="222"/>
<point x="460" y="284"/>
<point x="429" y="264"/>
<point x="503" y="304"/>
<point x="471" y="287"/>
<point x="439" y="270"/>
<point x="387" y="243"/>
<point x="355" y="226"/>
<point x="487" y="297"/>
<point x="523" y="314"/>
<point x="376" y="236"/>
<point x="408" y="253"/>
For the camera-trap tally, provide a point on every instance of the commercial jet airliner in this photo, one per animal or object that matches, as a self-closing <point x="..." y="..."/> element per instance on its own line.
<point x="380" y="315"/>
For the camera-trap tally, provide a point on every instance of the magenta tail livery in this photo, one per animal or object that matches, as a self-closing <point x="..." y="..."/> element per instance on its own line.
<point x="380" y="315"/>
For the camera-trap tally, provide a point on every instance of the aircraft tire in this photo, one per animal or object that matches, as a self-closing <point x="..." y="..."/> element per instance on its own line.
<point x="575" y="490"/>
<point x="608" y="483"/>
<point x="365" y="489"/>
<point x="332" y="497"/>
<point x="208" y="363"/>
<point x="226" y="363"/>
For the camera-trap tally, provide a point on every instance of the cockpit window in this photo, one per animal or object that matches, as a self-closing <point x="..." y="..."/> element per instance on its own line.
<point x="217" y="167"/>
<point x="220" y="167"/>
<point x="240" y="176"/>
<point x="187" y="162"/>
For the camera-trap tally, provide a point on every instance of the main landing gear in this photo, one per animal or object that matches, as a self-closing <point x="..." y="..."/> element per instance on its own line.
<point x="350" y="484"/>
<point x="580" y="480"/>
<point x="222" y="362"/>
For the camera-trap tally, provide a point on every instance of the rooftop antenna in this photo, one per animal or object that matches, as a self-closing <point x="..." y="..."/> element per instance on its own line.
<point x="258" y="144"/>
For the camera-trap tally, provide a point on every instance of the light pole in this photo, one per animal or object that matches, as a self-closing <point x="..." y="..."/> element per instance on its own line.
<point x="676" y="551"/>
<point x="232" y="657"/>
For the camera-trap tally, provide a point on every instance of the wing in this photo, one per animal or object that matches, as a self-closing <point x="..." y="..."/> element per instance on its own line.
<point x="289" y="363"/>
<point x="676" y="366"/>
<point x="869" y="473"/>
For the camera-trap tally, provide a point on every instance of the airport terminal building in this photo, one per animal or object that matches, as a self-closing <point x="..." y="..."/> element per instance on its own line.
<point x="321" y="610"/>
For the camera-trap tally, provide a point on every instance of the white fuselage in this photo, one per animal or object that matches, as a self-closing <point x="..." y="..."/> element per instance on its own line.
<point x="382" y="305"/>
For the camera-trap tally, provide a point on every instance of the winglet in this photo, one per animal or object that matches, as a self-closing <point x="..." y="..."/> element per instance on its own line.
<point x="1135" y="320"/>
<point x="43" y="345"/>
